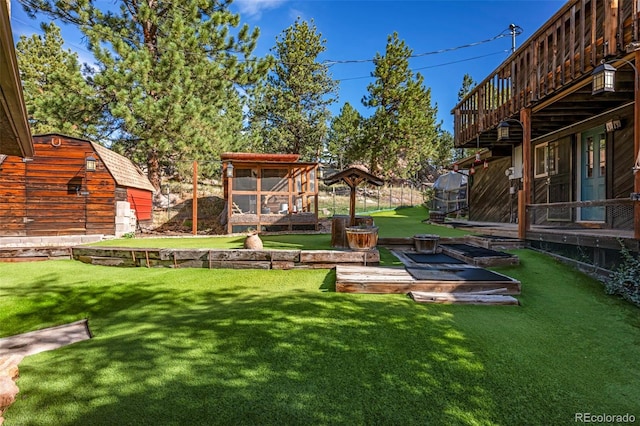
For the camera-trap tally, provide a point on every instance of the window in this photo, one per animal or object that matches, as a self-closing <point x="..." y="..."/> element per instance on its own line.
<point x="547" y="159"/>
<point x="541" y="156"/>
<point x="245" y="180"/>
<point x="588" y="163"/>
<point x="603" y="155"/>
<point x="274" y="180"/>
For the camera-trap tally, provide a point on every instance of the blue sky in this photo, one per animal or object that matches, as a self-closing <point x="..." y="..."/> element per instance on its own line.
<point x="356" y="30"/>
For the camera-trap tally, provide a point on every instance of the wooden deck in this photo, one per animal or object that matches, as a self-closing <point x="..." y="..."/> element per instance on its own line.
<point x="375" y="279"/>
<point x="586" y="237"/>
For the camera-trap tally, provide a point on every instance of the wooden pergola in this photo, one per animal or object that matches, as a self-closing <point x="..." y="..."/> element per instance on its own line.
<point x="352" y="177"/>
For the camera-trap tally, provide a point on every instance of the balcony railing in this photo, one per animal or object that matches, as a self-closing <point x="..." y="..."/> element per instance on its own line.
<point x="562" y="52"/>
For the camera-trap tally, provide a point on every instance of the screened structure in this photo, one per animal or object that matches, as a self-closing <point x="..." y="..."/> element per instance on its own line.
<point x="269" y="192"/>
<point x="449" y="193"/>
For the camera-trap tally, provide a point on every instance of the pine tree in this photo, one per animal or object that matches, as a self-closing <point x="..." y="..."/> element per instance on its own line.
<point x="467" y="86"/>
<point x="169" y="70"/>
<point x="344" y="133"/>
<point x="289" y="110"/>
<point x="401" y="133"/>
<point x="57" y="95"/>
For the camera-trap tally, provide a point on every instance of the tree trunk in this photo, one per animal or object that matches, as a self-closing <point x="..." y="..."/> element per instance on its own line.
<point x="153" y="170"/>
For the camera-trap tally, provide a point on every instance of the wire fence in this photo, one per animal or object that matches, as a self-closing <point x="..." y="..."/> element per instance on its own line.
<point x="334" y="200"/>
<point x="173" y="205"/>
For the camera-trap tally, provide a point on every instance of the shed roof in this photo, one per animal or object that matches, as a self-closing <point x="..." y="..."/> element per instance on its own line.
<point x="124" y="172"/>
<point x="353" y="176"/>
<point x="259" y="157"/>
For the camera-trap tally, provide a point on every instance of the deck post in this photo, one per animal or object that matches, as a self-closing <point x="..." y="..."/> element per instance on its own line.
<point x="636" y="147"/>
<point x="524" y="195"/>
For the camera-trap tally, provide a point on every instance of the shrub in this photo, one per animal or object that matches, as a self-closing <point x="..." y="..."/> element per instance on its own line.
<point x="625" y="280"/>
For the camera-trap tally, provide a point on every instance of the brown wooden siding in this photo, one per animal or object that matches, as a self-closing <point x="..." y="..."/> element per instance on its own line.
<point x="623" y="159"/>
<point x="53" y="194"/>
<point x="489" y="196"/>
<point x="12" y="197"/>
<point x="620" y="174"/>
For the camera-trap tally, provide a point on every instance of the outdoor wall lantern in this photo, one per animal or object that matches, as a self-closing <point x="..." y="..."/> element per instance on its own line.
<point x="603" y="79"/>
<point x="229" y="170"/>
<point x="472" y="170"/>
<point x="90" y="163"/>
<point x="456" y="167"/>
<point x="503" y="130"/>
<point x="486" y="164"/>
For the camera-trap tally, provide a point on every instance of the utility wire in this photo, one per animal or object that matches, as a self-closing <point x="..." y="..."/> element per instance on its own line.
<point x="417" y="55"/>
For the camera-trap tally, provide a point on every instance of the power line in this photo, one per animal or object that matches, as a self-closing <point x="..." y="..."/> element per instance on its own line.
<point x="417" y="55"/>
<point x="434" y="66"/>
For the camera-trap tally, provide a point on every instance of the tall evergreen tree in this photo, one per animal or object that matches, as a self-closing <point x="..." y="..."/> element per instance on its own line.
<point x="344" y="133"/>
<point x="170" y="71"/>
<point x="467" y="86"/>
<point x="57" y="95"/>
<point x="401" y="132"/>
<point x="289" y="111"/>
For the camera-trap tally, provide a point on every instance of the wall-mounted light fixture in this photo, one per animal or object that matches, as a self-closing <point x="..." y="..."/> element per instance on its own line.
<point x="503" y="128"/>
<point x="229" y="170"/>
<point x="603" y="79"/>
<point x="90" y="163"/>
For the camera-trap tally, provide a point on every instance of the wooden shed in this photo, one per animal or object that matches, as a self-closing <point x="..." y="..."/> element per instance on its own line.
<point x="269" y="192"/>
<point x="71" y="187"/>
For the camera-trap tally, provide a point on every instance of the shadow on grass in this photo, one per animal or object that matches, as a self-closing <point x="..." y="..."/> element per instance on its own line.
<point x="239" y="353"/>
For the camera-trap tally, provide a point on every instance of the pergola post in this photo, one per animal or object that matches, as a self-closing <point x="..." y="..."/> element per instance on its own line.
<point x="194" y="212"/>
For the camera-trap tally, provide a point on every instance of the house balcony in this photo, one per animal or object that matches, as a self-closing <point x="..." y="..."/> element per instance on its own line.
<point x="550" y="75"/>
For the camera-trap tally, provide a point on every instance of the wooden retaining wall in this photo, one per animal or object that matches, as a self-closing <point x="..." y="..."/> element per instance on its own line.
<point x="220" y="258"/>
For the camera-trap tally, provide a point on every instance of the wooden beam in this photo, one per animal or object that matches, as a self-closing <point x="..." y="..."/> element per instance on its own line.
<point x="194" y="204"/>
<point x="636" y="147"/>
<point x="524" y="196"/>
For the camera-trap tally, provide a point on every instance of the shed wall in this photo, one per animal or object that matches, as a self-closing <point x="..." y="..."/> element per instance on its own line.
<point x="59" y="197"/>
<point x="12" y="197"/>
<point x="141" y="201"/>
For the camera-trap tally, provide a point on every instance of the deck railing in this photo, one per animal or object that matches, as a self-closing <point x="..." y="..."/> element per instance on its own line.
<point x="614" y="214"/>
<point x="563" y="51"/>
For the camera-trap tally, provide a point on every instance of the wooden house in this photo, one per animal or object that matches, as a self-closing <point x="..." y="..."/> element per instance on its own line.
<point x="15" y="136"/>
<point x="269" y="192"/>
<point x="71" y="187"/>
<point x="558" y="123"/>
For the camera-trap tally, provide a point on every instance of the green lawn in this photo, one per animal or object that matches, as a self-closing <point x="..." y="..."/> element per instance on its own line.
<point x="233" y="347"/>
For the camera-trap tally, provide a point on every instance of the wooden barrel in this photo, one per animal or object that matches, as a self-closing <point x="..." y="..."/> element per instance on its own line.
<point x="362" y="238"/>
<point x="436" y="217"/>
<point x="339" y="223"/>
<point x="426" y="243"/>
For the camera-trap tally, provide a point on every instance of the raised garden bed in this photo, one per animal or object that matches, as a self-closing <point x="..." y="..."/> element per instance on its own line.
<point x="221" y="258"/>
